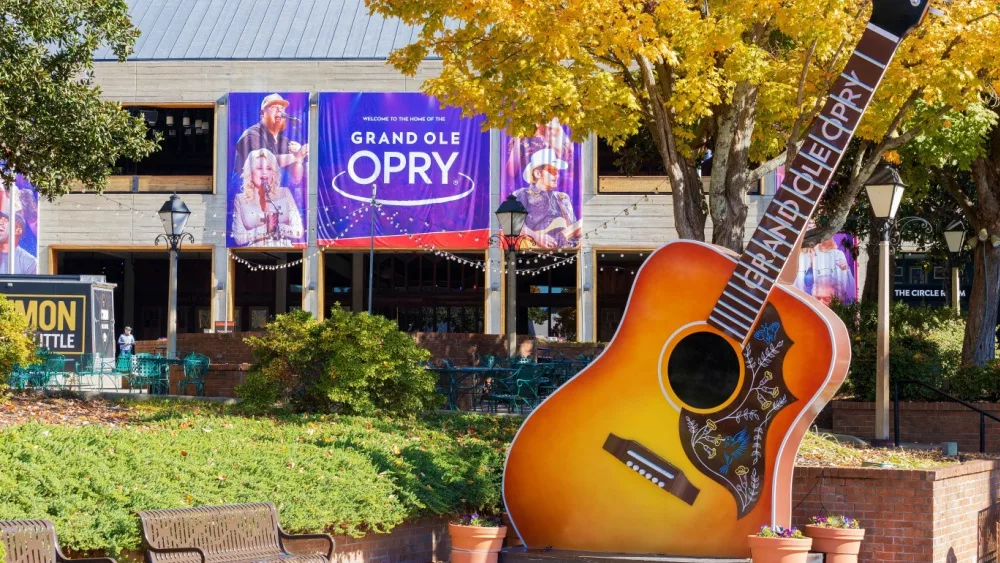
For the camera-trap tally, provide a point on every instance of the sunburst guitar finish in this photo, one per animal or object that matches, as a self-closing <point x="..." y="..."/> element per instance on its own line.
<point x="680" y="438"/>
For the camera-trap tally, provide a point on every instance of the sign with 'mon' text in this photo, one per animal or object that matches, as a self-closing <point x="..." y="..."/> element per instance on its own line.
<point x="59" y="321"/>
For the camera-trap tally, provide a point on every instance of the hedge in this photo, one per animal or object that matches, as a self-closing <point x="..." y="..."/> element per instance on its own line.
<point x="343" y="475"/>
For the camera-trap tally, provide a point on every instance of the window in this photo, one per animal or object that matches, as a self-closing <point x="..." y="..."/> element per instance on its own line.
<point x="939" y="272"/>
<point x="917" y="275"/>
<point x="184" y="162"/>
<point x="899" y="272"/>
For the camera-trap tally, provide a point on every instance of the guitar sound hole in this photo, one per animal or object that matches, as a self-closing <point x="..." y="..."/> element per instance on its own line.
<point x="703" y="370"/>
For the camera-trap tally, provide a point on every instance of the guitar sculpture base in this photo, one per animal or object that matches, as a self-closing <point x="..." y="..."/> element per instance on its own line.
<point x="522" y="555"/>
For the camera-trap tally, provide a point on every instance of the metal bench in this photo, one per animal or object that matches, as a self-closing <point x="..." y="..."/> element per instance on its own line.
<point x="238" y="533"/>
<point x="34" y="541"/>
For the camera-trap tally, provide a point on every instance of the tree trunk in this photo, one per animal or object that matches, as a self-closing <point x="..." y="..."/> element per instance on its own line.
<point x="869" y="293"/>
<point x="979" y="346"/>
<point x="730" y="169"/>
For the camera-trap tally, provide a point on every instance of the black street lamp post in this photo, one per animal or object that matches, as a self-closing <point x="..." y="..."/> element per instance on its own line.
<point x="174" y="216"/>
<point x="511" y="215"/>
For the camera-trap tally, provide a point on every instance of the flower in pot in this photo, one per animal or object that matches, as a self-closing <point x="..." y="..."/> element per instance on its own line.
<point x="839" y="537"/>
<point x="476" y="538"/>
<point x="779" y="545"/>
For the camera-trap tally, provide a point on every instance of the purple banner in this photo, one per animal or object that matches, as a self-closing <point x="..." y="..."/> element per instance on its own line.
<point x="429" y="167"/>
<point x="544" y="174"/>
<point x="828" y="270"/>
<point x="268" y="176"/>
<point x="25" y="255"/>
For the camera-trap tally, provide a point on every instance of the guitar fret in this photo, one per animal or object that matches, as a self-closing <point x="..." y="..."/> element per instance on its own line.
<point x="840" y="100"/>
<point x="769" y="249"/>
<point x="774" y="236"/>
<point x="807" y="178"/>
<point x="776" y="269"/>
<point x="853" y="80"/>
<point x="807" y="199"/>
<point x="826" y="144"/>
<point x="813" y="159"/>
<point x="890" y="36"/>
<point x="733" y="309"/>
<point x="866" y="58"/>
<point x="780" y="222"/>
<point x="784" y="206"/>
<point x="747" y="293"/>
<point x="739" y="323"/>
<point x="836" y="124"/>
<point x="747" y="280"/>
<point x="735" y="334"/>
<point x="756" y="271"/>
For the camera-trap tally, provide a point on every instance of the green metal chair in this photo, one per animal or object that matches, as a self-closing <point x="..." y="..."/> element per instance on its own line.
<point x="146" y="371"/>
<point x="195" y="368"/>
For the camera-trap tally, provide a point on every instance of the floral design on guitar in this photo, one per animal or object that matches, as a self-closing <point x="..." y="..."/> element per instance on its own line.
<point x="728" y="446"/>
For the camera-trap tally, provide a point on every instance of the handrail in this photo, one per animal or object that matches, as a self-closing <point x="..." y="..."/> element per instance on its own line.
<point x="982" y="414"/>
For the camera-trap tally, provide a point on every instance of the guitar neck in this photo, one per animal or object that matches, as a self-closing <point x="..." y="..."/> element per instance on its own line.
<point x="806" y="178"/>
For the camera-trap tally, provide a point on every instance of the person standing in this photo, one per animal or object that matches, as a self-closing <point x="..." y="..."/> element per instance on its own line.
<point x="126" y="342"/>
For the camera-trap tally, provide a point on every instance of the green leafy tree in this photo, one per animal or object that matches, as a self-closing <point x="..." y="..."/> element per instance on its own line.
<point x="741" y="78"/>
<point x="353" y="363"/>
<point x="16" y="343"/>
<point x="54" y="127"/>
<point x="962" y="160"/>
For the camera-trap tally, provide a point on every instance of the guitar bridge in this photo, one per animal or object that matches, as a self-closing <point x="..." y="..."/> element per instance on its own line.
<point x="654" y="468"/>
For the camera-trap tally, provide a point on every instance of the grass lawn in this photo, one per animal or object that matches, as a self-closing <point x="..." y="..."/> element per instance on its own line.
<point x="93" y="468"/>
<point x="89" y="466"/>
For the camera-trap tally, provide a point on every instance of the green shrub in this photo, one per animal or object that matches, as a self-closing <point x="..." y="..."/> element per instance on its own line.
<point x="925" y="344"/>
<point x="16" y="343"/>
<point x="352" y="363"/>
<point x="333" y="473"/>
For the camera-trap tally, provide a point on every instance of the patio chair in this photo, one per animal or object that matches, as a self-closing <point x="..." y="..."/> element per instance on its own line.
<point x="195" y="368"/>
<point x="146" y="371"/>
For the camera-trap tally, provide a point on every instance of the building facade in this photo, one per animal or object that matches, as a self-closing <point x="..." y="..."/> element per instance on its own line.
<point x="191" y="57"/>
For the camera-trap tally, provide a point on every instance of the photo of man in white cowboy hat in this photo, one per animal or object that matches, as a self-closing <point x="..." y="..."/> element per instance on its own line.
<point x="551" y="221"/>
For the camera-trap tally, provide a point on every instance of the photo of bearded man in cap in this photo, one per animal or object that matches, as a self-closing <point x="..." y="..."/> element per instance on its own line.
<point x="269" y="134"/>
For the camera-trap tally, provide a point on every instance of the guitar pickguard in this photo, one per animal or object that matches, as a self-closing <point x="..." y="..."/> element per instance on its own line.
<point x="728" y="446"/>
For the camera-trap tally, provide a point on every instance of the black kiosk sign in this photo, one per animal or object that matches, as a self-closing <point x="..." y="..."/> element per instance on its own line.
<point x="59" y="321"/>
<point x="70" y="315"/>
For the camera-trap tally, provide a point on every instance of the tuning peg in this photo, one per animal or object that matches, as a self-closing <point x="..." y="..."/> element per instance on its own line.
<point x="936" y="12"/>
<point x="995" y="240"/>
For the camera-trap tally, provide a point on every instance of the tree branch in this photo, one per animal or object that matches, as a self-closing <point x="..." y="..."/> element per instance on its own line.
<point x="951" y="186"/>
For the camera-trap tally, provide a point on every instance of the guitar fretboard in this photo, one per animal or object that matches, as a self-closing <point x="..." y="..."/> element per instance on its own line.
<point x="806" y="178"/>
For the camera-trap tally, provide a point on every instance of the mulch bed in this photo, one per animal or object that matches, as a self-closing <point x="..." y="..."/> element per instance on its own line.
<point x="19" y="409"/>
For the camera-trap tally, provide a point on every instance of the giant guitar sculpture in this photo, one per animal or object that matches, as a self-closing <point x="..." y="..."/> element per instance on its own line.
<point x="680" y="438"/>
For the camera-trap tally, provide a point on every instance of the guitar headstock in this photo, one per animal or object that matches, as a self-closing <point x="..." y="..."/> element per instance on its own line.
<point x="899" y="16"/>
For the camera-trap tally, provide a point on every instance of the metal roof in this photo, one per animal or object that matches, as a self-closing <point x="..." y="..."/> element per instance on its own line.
<point x="261" y="29"/>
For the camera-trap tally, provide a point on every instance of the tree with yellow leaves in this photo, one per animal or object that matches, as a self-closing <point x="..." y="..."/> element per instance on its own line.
<point x="741" y="78"/>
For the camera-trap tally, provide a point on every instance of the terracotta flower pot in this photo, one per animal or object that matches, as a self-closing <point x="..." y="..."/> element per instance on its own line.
<point x="472" y="544"/>
<point x="841" y="545"/>
<point x="779" y="550"/>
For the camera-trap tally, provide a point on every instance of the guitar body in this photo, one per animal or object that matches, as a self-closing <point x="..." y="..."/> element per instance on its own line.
<point x="721" y="451"/>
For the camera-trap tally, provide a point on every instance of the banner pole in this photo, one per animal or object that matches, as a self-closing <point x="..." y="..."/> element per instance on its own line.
<point x="371" y="249"/>
<point x="11" y="227"/>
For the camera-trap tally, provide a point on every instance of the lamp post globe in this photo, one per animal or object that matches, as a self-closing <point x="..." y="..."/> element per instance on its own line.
<point x="885" y="191"/>
<point x="954" y="237"/>
<point x="174" y="216"/>
<point x="511" y="215"/>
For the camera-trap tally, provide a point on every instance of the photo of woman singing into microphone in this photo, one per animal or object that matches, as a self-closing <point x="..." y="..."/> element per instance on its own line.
<point x="268" y="183"/>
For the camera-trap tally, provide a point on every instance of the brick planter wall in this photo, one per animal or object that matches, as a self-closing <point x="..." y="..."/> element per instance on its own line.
<point x="420" y="541"/>
<point x="925" y="516"/>
<point x="929" y="423"/>
<point x="229" y="348"/>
